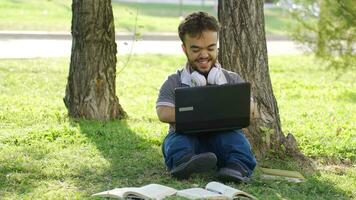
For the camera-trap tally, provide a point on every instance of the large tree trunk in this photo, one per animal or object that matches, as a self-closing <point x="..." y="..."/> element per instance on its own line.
<point x="90" y="91"/>
<point x="243" y="50"/>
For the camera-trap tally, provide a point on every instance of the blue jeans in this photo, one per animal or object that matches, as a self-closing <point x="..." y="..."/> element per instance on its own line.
<point x="228" y="146"/>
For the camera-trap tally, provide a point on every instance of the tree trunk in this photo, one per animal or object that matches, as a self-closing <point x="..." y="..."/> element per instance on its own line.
<point x="90" y="91"/>
<point x="243" y="49"/>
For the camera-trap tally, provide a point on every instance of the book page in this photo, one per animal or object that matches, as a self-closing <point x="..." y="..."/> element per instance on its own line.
<point x="153" y="191"/>
<point x="115" y="193"/>
<point x="280" y="172"/>
<point x="200" y="193"/>
<point x="289" y="179"/>
<point x="226" y="190"/>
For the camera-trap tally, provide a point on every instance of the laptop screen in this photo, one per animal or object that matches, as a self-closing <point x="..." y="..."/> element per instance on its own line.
<point x="212" y="108"/>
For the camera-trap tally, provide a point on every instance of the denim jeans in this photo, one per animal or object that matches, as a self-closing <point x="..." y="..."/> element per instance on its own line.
<point x="228" y="146"/>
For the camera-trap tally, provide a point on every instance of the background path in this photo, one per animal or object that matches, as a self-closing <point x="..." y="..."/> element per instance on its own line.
<point x="41" y="44"/>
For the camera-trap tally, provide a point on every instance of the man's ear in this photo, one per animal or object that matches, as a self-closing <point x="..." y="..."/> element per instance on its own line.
<point x="184" y="48"/>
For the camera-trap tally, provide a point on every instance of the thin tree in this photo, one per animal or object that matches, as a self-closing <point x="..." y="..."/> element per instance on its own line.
<point x="90" y="91"/>
<point x="328" y="27"/>
<point x="243" y="49"/>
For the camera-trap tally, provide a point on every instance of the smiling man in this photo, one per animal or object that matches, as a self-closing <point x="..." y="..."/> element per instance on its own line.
<point x="227" y="151"/>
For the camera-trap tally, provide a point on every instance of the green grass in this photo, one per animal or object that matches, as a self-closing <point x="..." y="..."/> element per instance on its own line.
<point x="151" y="17"/>
<point x="46" y="155"/>
<point x="43" y="15"/>
<point x="317" y="107"/>
<point x="55" y="15"/>
<point x="277" y="21"/>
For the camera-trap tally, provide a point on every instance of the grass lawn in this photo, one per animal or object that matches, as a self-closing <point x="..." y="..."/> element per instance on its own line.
<point x="55" y="15"/>
<point x="46" y="155"/>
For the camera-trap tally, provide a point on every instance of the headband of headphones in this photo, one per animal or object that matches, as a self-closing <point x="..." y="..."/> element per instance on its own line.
<point x="215" y="76"/>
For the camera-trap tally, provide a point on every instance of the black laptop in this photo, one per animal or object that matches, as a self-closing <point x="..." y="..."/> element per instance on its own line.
<point x="212" y="108"/>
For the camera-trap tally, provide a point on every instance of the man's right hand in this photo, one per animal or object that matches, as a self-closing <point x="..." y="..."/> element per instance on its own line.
<point x="166" y="114"/>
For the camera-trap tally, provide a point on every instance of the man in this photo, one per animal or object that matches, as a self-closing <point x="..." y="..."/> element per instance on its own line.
<point x="229" y="151"/>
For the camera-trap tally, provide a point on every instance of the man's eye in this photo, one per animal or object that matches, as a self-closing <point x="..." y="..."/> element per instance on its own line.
<point x="212" y="49"/>
<point x="195" y="50"/>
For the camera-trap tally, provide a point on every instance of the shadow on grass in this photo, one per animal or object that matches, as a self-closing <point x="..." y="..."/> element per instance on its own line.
<point x="315" y="186"/>
<point x="348" y="96"/>
<point x="78" y="159"/>
<point x="133" y="160"/>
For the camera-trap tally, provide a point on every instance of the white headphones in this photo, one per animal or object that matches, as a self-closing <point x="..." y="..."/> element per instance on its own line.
<point x="215" y="77"/>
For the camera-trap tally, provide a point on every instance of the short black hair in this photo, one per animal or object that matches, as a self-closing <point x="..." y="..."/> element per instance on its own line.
<point x="197" y="22"/>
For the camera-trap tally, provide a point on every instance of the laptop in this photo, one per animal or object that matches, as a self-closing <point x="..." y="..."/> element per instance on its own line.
<point x="212" y="108"/>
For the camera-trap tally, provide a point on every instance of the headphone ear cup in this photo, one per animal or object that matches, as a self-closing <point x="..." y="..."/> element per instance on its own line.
<point x="213" y="76"/>
<point x="197" y="79"/>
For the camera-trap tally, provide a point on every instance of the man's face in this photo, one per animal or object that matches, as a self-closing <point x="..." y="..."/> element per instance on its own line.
<point x="201" y="50"/>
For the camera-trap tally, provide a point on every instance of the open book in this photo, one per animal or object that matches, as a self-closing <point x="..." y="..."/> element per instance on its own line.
<point x="275" y="174"/>
<point x="215" y="190"/>
<point x="151" y="191"/>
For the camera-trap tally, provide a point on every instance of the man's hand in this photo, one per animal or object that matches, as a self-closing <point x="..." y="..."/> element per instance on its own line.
<point x="166" y="114"/>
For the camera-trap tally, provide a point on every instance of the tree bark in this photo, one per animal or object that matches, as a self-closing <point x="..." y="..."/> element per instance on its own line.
<point x="243" y="49"/>
<point x="90" y="91"/>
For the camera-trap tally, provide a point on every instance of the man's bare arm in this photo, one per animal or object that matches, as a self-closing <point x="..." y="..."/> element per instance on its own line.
<point x="166" y="114"/>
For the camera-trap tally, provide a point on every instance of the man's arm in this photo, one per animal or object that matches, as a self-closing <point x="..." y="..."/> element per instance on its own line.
<point x="166" y="114"/>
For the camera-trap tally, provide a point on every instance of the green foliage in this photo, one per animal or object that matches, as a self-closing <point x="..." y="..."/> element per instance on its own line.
<point x="329" y="28"/>
<point x="46" y="155"/>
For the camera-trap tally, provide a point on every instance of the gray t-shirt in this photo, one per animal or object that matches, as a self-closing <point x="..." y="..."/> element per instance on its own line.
<point x="178" y="79"/>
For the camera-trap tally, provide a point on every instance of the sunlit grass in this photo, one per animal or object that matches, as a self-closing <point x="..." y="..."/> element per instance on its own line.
<point x="55" y="15"/>
<point x="317" y="106"/>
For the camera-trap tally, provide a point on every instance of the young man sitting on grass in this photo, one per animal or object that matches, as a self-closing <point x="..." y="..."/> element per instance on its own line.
<point x="184" y="155"/>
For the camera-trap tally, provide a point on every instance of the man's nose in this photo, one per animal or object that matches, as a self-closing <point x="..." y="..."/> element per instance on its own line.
<point x="204" y="54"/>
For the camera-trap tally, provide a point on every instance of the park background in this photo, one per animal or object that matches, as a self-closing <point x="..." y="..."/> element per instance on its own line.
<point x="46" y="155"/>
